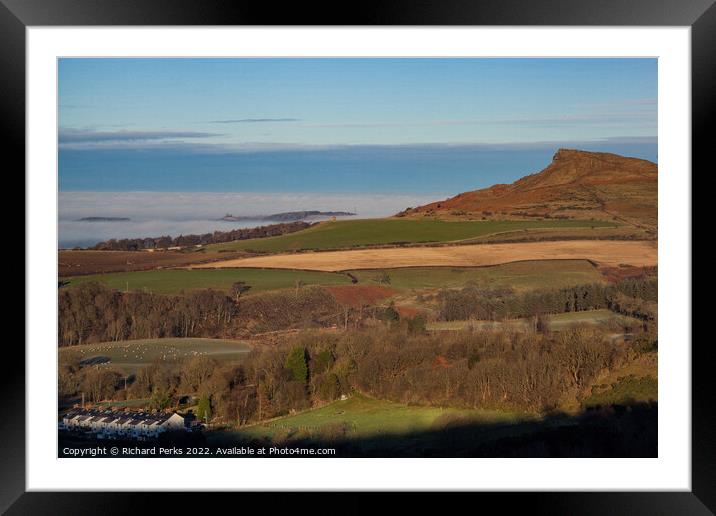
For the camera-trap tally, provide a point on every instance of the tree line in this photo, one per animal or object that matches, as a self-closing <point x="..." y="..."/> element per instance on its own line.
<point x="636" y="297"/>
<point x="217" y="237"/>
<point x="91" y="312"/>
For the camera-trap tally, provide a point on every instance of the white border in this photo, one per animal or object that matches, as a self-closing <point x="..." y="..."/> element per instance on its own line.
<point x="670" y="471"/>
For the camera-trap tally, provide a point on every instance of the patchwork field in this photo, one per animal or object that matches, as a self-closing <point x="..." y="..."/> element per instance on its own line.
<point x="366" y="232"/>
<point x="555" y="322"/>
<point x="129" y="355"/>
<point x="608" y="253"/>
<point x="519" y="275"/>
<point x="173" y="281"/>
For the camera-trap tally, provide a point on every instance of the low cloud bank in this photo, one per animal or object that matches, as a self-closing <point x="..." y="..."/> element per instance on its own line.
<point x="173" y="213"/>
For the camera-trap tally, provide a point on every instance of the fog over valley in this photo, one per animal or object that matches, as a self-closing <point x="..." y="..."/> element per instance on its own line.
<point x="155" y="214"/>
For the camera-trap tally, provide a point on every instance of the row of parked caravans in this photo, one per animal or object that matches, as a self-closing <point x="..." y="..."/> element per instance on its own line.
<point x="127" y="425"/>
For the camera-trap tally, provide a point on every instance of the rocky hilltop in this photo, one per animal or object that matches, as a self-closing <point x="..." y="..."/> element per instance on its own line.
<point x="575" y="185"/>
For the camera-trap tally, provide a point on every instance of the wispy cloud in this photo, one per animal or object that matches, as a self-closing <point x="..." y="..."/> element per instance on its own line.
<point x="646" y="102"/>
<point x="253" y="120"/>
<point x="74" y="106"/>
<point x="197" y="148"/>
<point x="598" y="119"/>
<point x="89" y="136"/>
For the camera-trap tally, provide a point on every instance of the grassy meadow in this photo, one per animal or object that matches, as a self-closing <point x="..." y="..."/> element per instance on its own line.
<point x="555" y="322"/>
<point x="365" y="232"/>
<point x="130" y="355"/>
<point x="363" y="417"/>
<point x="518" y="275"/>
<point x="174" y="281"/>
<point x="558" y="322"/>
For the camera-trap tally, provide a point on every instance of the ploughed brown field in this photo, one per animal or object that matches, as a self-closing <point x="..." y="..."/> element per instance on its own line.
<point x="357" y="296"/>
<point x="77" y="263"/>
<point x="604" y="253"/>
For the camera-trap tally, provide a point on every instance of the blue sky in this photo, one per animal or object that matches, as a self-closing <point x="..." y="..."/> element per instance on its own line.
<point x="363" y="125"/>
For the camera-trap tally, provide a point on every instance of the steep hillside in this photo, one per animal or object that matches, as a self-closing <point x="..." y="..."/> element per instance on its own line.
<point x="576" y="185"/>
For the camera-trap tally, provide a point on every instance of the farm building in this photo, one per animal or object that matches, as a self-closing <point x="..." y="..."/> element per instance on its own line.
<point x="108" y="424"/>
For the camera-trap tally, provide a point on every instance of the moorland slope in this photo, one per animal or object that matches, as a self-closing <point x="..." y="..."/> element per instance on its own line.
<point x="576" y="185"/>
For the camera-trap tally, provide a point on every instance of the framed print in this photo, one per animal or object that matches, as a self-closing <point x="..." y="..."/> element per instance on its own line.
<point x="436" y="249"/>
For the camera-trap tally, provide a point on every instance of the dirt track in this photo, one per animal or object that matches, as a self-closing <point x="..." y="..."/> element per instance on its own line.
<point x="604" y="252"/>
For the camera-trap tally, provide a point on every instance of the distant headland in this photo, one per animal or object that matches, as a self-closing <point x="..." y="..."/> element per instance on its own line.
<point x="288" y="216"/>
<point x="103" y="219"/>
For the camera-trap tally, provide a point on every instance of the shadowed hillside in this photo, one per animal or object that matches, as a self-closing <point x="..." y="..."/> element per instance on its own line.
<point x="577" y="184"/>
<point x="628" y="430"/>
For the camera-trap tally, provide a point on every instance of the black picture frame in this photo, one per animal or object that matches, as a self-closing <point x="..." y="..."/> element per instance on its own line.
<point x="700" y="15"/>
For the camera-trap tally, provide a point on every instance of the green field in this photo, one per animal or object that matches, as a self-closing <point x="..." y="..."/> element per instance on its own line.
<point x="556" y="322"/>
<point x="129" y="355"/>
<point x="363" y="417"/>
<point x="173" y="281"/>
<point x="588" y="317"/>
<point x="365" y="232"/>
<point x="517" y="275"/>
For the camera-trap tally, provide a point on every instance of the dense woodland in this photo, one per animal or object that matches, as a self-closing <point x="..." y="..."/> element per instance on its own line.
<point x="217" y="237"/>
<point x="372" y="351"/>
<point x="91" y="312"/>
<point x="528" y="371"/>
